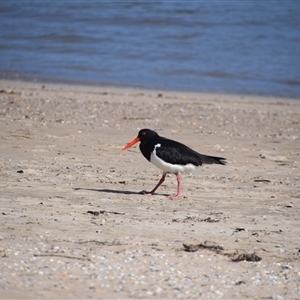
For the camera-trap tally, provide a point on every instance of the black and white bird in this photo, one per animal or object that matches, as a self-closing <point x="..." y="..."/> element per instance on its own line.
<point x="170" y="156"/>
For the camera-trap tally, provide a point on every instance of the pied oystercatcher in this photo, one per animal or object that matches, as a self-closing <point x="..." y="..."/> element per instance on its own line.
<point x="170" y="156"/>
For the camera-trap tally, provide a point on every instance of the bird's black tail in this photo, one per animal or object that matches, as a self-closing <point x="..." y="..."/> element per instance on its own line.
<point x="213" y="160"/>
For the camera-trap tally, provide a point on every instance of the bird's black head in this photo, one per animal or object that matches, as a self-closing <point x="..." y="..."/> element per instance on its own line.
<point x="147" y="134"/>
<point x="144" y="135"/>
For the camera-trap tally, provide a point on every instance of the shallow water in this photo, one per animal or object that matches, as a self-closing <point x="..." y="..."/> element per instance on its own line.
<point x="250" y="47"/>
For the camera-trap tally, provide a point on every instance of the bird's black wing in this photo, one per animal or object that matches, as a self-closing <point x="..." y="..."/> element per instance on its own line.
<point x="176" y="153"/>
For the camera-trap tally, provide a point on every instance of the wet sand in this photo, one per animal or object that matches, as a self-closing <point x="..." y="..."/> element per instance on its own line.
<point x="73" y="224"/>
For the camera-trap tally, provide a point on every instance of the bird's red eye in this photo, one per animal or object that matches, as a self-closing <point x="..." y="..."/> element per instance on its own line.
<point x="143" y="133"/>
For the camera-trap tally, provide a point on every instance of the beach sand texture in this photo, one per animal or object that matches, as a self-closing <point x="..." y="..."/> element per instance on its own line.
<point x="73" y="224"/>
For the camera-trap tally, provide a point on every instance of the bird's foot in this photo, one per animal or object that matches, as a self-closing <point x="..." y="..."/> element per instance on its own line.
<point x="146" y="193"/>
<point x="174" y="196"/>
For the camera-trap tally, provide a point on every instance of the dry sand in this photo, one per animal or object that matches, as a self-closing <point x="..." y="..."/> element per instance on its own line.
<point x="73" y="224"/>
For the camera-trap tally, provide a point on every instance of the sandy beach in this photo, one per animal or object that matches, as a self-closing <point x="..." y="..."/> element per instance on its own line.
<point x="74" y="225"/>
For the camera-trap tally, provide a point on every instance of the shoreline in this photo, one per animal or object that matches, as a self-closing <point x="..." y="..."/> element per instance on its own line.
<point x="73" y="87"/>
<point x="52" y="81"/>
<point x="74" y="225"/>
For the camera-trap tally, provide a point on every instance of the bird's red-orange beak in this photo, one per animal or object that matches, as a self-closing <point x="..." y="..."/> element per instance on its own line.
<point x="133" y="142"/>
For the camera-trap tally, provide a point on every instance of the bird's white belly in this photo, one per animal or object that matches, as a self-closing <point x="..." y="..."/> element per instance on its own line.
<point x="167" y="167"/>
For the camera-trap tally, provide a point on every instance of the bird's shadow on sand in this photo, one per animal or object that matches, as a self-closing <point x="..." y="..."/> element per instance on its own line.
<point x="115" y="191"/>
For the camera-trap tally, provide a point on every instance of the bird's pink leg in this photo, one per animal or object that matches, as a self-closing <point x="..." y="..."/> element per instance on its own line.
<point x="178" y="187"/>
<point x="156" y="187"/>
